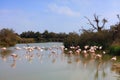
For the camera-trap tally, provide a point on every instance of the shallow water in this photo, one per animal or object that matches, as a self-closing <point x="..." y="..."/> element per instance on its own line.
<point x="45" y="65"/>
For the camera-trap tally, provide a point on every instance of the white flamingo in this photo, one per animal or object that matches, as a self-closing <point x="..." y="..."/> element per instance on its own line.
<point x="114" y="58"/>
<point x="3" y="48"/>
<point x="98" y="56"/>
<point x="15" y="56"/>
<point x="17" y="48"/>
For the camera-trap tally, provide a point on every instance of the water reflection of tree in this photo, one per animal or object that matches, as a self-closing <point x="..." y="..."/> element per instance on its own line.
<point x="96" y="75"/>
<point x="100" y="69"/>
<point x="116" y="68"/>
<point x="69" y="60"/>
<point x="4" y="54"/>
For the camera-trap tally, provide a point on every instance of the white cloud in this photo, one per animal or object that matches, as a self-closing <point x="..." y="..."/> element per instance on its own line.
<point x="63" y="10"/>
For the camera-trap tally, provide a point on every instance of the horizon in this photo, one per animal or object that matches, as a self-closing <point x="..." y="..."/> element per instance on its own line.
<point x="56" y="15"/>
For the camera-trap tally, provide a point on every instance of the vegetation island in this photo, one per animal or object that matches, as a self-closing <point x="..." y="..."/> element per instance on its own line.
<point x="97" y="35"/>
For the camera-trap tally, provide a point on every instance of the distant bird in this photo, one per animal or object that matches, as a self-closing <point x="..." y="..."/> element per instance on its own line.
<point x="99" y="56"/>
<point x="3" y="48"/>
<point x="78" y="51"/>
<point x="86" y="47"/>
<point x="104" y="52"/>
<point x="114" y="58"/>
<point x="66" y="49"/>
<point x="15" y="56"/>
<point x="70" y="53"/>
<point x="100" y="47"/>
<point x="17" y="48"/>
<point x="84" y="51"/>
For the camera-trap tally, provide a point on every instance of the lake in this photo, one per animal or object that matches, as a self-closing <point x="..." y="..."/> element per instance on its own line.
<point x="48" y="62"/>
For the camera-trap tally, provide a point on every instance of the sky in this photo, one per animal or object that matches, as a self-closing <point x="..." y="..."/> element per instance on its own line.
<point x="55" y="15"/>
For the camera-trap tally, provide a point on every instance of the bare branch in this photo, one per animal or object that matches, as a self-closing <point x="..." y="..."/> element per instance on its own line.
<point x="82" y="29"/>
<point x="104" y="22"/>
<point x="118" y="18"/>
<point x="96" y="20"/>
<point x="91" y="23"/>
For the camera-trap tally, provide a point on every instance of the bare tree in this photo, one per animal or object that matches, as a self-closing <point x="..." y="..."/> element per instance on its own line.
<point x="118" y="18"/>
<point x="97" y="21"/>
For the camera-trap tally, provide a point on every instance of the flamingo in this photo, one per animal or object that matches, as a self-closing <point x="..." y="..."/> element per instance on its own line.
<point x="3" y="48"/>
<point x="86" y="47"/>
<point x="104" y="52"/>
<point x="100" y="47"/>
<point x="70" y="53"/>
<point x="78" y="51"/>
<point x="14" y="56"/>
<point x="66" y="49"/>
<point x="84" y="51"/>
<point x="17" y="48"/>
<point x="114" y="58"/>
<point x="99" y="56"/>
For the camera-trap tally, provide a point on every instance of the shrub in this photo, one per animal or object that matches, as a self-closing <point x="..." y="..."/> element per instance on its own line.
<point x="7" y="37"/>
<point x="114" y="50"/>
<point x="71" y="40"/>
<point x="102" y="38"/>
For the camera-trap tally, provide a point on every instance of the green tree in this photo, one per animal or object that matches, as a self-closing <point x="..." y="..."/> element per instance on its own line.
<point x="28" y="34"/>
<point x="45" y="35"/>
<point x="38" y="36"/>
<point x="71" y="40"/>
<point x="7" y="37"/>
<point x="62" y="36"/>
<point x="115" y="30"/>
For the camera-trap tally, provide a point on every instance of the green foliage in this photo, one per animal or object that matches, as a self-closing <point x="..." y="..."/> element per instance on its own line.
<point x="86" y="38"/>
<point x="29" y="34"/>
<point x="115" y="30"/>
<point x="115" y="50"/>
<point x="115" y="46"/>
<point x="102" y="38"/>
<point x="71" y="40"/>
<point x="43" y="37"/>
<point x="26" y="40"/>
<point x="7" y="37"/>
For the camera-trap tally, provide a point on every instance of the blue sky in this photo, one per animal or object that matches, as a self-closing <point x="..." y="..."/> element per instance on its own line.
<point x="55" y="15"/>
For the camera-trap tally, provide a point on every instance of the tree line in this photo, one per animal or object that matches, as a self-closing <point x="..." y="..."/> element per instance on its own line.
<point x="46" y="36"/>
<point x="9" y="38"/>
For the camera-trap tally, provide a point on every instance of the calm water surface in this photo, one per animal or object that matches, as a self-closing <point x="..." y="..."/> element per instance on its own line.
<point x="44" y="64"/>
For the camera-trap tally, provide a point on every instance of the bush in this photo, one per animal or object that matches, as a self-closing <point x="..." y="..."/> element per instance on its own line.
<point x="102" y="38"/>
<point x="7" y="37"/>
<point x="27" y="40"/>
<point x="71" y="40"/>
<point x="115" y="50"/>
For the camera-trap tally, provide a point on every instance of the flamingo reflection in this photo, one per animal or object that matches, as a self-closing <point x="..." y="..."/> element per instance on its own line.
<point x="13" y="65"/>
